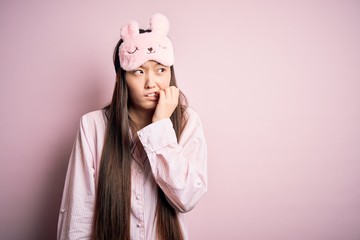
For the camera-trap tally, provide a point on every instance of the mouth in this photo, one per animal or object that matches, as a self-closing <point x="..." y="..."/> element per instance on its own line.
<point x="153" y="96"/>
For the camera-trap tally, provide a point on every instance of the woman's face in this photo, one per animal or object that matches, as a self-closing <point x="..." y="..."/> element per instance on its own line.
<point x="144" y="84"/>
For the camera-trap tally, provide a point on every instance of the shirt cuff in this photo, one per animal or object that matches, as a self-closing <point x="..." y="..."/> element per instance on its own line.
<point x="157" y="135"/>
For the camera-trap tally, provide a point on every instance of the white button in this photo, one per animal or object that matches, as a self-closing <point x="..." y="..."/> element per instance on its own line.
<point x="137" y="197"/>
<point x="138" y="225"/>
<point x="141" y="134"/>
<point x="62" y="210"/>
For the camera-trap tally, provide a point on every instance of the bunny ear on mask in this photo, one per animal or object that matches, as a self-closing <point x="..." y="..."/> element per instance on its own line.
<point x="138" y="48"/>
<point x="159" y="23"/>
<point x="129" y="30"/>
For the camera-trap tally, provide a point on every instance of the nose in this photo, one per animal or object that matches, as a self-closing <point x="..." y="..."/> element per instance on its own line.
<point x="150" y="81"/>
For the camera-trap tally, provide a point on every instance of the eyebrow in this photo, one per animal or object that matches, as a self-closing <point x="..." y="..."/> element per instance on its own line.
<point x="157" y="64"/>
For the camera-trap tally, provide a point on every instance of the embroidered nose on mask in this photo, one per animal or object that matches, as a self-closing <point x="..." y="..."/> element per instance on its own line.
<point x="150" y="50"/>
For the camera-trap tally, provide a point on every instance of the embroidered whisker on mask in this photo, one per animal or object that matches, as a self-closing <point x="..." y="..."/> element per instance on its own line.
<point x="137" y="48"/>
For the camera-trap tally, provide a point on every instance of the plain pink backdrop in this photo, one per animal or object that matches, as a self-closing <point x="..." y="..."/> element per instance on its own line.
<point x="276" y="83"/>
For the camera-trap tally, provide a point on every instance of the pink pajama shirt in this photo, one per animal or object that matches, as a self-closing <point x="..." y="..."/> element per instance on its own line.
<point x="178" y="167"/>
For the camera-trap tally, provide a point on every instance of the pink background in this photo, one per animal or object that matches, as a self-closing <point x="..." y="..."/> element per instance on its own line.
<point x="277" y="86"/>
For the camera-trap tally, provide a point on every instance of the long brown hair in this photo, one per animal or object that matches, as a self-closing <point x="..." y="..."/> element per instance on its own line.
<point x="113" y="204"/>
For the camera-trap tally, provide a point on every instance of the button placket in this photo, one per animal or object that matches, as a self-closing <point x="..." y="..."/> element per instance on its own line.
<point x="139" y="197"/>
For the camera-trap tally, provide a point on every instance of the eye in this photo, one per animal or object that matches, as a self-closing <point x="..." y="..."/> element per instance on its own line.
<point x="161" y="70"/>
<point x="138" y="72"/>
<point x="164" y="47"/>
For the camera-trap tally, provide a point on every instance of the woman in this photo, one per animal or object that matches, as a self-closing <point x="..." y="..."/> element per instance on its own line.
<point x="141" y="162"/>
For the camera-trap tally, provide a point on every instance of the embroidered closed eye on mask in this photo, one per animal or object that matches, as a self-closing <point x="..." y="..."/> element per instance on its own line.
<point x="139" y="48"/>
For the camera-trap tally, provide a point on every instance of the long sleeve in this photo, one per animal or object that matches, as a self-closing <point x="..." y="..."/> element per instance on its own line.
<point x="76" y="211"/>
<point x="179" y="167"/>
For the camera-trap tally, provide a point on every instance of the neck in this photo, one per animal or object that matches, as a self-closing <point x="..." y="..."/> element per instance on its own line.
<point x="141" y="118"/>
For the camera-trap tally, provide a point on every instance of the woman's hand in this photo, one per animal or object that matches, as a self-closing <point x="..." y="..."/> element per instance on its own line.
<point x="168" y="101"/>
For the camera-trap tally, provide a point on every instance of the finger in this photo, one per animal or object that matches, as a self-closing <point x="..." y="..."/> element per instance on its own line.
<point x="168" y="92"/>
<point x="175" y="93"/>
<point x="161" y="95"/>
<point x="175" y="90"/>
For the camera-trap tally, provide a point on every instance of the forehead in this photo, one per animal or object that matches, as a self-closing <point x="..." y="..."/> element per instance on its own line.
<point x="151" y="64"/>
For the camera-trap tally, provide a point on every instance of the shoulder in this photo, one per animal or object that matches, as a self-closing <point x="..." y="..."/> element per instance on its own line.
<point x="193" y="120"/>
<point x="191" y="114"/>
<point x="93" y="120"/>
<point x="193" y="129"/>
<point x="97" y="114"/>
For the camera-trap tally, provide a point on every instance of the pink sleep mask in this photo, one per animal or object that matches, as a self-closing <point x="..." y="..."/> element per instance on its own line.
<point x="139" y="48"/>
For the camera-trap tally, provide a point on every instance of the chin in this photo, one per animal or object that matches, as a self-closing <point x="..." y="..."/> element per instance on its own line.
<point x="150" y="106"/>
